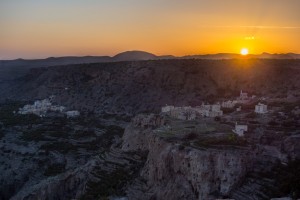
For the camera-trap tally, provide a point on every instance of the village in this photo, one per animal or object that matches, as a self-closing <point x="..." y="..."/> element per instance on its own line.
<point x="215" y="111"/>
<point x="42" y="107"/>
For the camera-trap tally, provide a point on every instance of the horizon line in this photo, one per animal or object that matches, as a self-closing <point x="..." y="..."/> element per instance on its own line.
<point x="180" y="56"/>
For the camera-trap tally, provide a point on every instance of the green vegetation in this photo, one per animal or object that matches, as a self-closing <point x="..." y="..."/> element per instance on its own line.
<point x="114" y="130"/>
<point x="286" y="180"/>
<point x="83" y="134"/>
<point x="112" y="183"/>
<point x="251" y="115"/>
<point x="62" y="147"/>
<point x="54" y="169"/>
<point x="8" y="118"/>
<point x="33" y="135"/>
<point x="228" y="110"/>
<point x="230" y="140"/>
<point x="2" y="133"/>
<point x="123" y="117"/>
<point x="109" y="184"/>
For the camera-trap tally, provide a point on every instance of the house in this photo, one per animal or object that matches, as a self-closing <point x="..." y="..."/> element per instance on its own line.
<point x="240" y="129"/>
<point x="243" y="98"/>
<point x="243" y="95"/>
<point x="166" y="109"/>
<point x="215" y="111"/>
<point x="228" y="104"/>
<point x="191" y="116"/>
<point x="261" y="108"/>
<point x="72" y="113"/>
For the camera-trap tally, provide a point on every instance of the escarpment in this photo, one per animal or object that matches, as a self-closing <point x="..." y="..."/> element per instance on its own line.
<point x="178" y="171"/>
<point x="164" y="158"/>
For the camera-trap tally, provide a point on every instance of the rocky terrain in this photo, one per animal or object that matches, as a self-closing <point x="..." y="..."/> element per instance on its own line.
<point x="186" y="164"/>
<point x="144" y="86"/>
<point x="155" y="157"/>
<point x="34" y="149"/>
<point x="180" y="170"/>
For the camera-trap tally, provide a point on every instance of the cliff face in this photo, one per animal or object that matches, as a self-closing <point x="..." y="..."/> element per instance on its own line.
<point x="177" y="168"/>
<point x="102" y="176"/>
<point x="176" y="172"/>
<point x="66" y="186"/>
<point x="145" y="86"/>
<point x="152" y="164"/>
<point x="190" y="173"/>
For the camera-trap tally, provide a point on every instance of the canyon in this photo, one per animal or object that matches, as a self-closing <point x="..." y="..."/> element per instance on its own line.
<point x="122" y="147"/>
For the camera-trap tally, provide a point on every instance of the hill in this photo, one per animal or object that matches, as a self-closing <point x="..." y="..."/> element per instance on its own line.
<point x="144" y="86"/>
<point x="134" y="55"/>
<point x="11" y="69"/>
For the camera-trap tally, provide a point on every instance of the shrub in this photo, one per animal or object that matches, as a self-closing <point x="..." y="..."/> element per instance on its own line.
<point x="54" y="169"/>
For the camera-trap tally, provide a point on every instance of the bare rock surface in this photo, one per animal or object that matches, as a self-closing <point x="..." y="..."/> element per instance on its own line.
<point x="176" y="172"/>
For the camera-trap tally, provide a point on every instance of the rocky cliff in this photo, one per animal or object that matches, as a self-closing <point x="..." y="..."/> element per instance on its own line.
<point x="173" y="171"/>
<point x="150" y="162"/>
<point x="177" y="168"/>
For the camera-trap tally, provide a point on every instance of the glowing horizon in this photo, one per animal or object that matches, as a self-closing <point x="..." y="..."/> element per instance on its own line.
<point x="39" y="29"/>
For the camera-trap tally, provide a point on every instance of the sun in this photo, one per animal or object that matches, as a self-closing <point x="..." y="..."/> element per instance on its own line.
<point x="244" y="51"/>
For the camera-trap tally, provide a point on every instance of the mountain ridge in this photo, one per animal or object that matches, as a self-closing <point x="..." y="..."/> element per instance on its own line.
<point x="12" y="69"/>
<point x="139" y="55"/>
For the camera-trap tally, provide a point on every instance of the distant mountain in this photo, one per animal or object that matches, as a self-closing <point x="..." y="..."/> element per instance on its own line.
<point x="278" y="56"/>
<point x="11" y="69"/>
<point x="134" y="55"/>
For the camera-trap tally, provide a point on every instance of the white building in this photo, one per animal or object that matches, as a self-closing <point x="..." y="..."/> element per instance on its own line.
<point x="191" y="116"/>
<point x="261" y="108"/>
<point x="228" y="104"/>
<point x="243" y="95"/>
<point x="243" y="98"/>
<point x="240" y="129"/>
<point x="72" y="113"/>
<point x="166" y="109"/>
<point x="215" y="111"/>
<point x="40" y="108"/>
<point x="216" y="107"/>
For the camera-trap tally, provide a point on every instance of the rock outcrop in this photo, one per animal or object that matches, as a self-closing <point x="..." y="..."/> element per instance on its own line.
<point x="175" y="172"/>
<point x="90" y="181"/>
<point x="66" y="186"/>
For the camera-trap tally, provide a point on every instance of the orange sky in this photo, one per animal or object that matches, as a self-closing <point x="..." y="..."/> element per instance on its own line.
<point x="37" y="29"/>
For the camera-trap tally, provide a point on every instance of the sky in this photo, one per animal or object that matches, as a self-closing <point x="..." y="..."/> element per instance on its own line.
<point x="46" y="28"/>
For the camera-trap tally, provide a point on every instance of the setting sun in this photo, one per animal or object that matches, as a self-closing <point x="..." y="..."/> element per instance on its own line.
<point x="244" y="51"/>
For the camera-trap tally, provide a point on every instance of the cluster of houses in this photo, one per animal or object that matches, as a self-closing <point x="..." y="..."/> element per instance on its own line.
<point x="41" y="107"/>
<point x="241" y="129"/>
<point x="214" y="110"/>
<point x="191" y="113"/>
